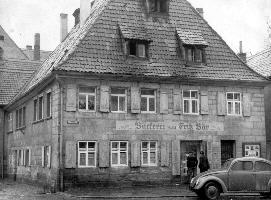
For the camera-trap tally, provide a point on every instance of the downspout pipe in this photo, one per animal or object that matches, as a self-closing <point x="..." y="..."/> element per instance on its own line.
<point x="60" y="138"/>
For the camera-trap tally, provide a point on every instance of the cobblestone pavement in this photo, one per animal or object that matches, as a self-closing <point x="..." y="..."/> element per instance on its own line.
<point x="10" y="190"/>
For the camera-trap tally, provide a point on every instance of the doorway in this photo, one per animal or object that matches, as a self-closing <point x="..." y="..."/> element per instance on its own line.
<point x="194" y="146"/>
<point x="227" y="150"/>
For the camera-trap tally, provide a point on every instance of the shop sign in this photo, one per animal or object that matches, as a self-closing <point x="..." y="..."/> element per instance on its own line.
<point x="169" y="125"/>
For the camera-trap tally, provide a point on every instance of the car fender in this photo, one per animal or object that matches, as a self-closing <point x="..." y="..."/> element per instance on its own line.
<point x="204" y="180"/>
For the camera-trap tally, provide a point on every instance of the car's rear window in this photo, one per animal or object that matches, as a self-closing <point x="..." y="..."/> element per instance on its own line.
<point x="262" y="166"/>
<point x="242" y="166"/>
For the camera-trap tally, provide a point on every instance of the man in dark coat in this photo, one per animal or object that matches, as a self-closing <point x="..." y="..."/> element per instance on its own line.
<point x="192" y="163"/>
<point x="203" y="162"/>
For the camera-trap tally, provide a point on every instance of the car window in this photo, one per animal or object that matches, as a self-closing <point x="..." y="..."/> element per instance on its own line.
<point x="242" y="166"/>
<point x="262" y="166"/>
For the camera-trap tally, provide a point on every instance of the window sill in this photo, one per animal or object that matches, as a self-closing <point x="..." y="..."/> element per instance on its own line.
<point x="9" y="132"/>
<point x="87" y="111"/>
<point x="146" y="112"/>
<point x="119" y="166"/>
<point x="192" y="114"/>
<point x="21" y="128"/>
<point x="48" y="118"/>
<point x="132" y="57"/>
<point x="38" y="121"/>
<point x="119" y="112"/>
<point x="87" y="167"/>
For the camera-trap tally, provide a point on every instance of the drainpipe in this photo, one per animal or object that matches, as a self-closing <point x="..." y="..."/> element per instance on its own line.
<point x="60" y="139"/>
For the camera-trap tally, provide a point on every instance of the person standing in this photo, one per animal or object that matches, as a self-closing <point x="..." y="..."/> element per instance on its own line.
<point x="203" y="162"/>
<point x="192" y="163"/>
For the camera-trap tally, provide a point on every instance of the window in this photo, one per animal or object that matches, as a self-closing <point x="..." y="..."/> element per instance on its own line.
<point x="233" y="103"/>
<point x="40" y="110"/>
<point x="46" y="156"/>
<point x="262" y="166"/>
<point x="194" y="54"/>
<point x="242" y="166"/>
<point x="2" y="38"/>
<point x="27" y="158"/>
<point x="252" y="150"/>
<point x="119" y="153"/>
<point x="148" y="102"/>
<point x="35" y="118"/>
<point x="87" y="99"/>
<point x="158" y="6"/>
<point x="86" y="154"/>
<point x="49" y="104"/>
<point x="137" y="48"/>
<point x="190" y="102"/>
<point x="10" y="121"/>
<point x="118" y="100"/>
<point x="149" y="153"/>
<point x="20" y="157"/>
<point x="20" y="117"/>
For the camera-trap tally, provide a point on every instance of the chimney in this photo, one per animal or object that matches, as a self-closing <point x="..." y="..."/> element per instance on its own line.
<point x="1" y="53"/>
<point x="85" y="7"/>
<point x="37" y="47"/>
<point x="200" y="11"/>
<point x="28" y="47"/>
<point x="76" y="15"/>
<point x="63" y="26"/>
<point x="242" y="56"/>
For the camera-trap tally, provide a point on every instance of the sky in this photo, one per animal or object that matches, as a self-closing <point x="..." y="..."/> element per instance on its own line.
<point x="233" y="20"/>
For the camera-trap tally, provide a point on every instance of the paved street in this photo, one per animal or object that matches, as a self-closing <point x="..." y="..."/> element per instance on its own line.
<point x="13" y="191"/>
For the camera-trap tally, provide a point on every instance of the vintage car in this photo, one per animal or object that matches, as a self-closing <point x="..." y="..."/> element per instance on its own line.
<point x="247" y="174"/>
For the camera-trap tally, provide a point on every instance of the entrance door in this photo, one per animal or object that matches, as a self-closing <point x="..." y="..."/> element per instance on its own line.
<point x="186" y="147"/>
<point x="227" y="150"/>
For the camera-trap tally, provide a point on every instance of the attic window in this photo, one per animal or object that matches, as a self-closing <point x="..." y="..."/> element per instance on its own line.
<point x="137" y="48"/>
<point x="194" y="54"/>
<point x="2" y="38"/>
<point x="160" y="6"/>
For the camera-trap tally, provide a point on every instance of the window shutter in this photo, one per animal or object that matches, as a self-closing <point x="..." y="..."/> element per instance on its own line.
<point x="221" y="104"/>
<point x="135" y="100"/>
<point x="104" y="154"/>
<point x="42" y="156"/>
<point x="104" y="98"/>
<point x="70" y="154"/>
<point x="164" y="102"/>
<point x="177" y="101"/>
<point x="49" y="156"/>
<point x="247" y="104"/>
<point x="23" y="155"/>
<point x="204" y="56"/>
<point x="176" y="158"/>
<point x="204" y="106"/>
<point x="165" y="150"/>
<point x="135" y="154"/>
<point x="45" y="105"/>
<point x="30" y="161"/>
<point x="71" y="97"/>
<point x="197" y="55"/>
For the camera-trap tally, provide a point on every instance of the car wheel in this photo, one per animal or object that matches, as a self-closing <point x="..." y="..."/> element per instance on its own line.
<point x="211" y="191"/>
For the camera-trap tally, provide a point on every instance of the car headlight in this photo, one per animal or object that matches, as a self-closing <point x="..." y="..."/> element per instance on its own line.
<point x="197" y="182"/>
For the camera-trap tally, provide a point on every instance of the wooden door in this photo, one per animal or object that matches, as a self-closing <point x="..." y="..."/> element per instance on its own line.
<point x="227" y="150"/>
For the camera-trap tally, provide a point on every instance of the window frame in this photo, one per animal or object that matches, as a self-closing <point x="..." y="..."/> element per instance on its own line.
<point x="157" y="5"/>
<point x="190" y="100"/>
<point x="10" y="122"/>
<point x="87" y="94"/>
<point x="46" y="154"/>
<point x="49" y="107"/>
<point x="148" y="101"/>
<point x="149" y="151"/>
<point x="243" y="161"/>
<point x="27" y="164"/>
<point x="118" y="151"/>
<point x="233" y="101"/>
<point x="20" y="121"/>
<point x="118" y="96"/>
<point x="86" y="153"/>
<point x="137" y="44"/>
<point x="40" y="112"/>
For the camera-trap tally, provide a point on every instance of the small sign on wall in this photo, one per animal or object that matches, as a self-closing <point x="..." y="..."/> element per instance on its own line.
<point x="252" y="150"/>
<point x="169" y="125"/>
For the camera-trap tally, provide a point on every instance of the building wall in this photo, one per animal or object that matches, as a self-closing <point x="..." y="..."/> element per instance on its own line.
<point x="33" y="136"/>
<point x="1" y="140"/>
<point x="267" y="96"/>
<point x="102" y="128"/>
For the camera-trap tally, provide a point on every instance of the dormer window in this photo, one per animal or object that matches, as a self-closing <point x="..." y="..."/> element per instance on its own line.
<point x="192" y="46"/>
<point x="160" y="6"/>
<point x="194" y="54"/>
<point x="137" y="48"/>
<point x="135" y="40"/>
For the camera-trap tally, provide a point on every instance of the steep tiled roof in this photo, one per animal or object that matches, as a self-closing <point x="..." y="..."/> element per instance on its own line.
<point x="13" y="75"/>
<point x="135" y="32"/>
<point x="96" y="47"/>
<point x="191" y="37"/>
<point x="261" y="62"/>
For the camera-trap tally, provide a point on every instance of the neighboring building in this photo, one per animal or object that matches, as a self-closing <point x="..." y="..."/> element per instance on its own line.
<point x="29" y="52"/>
<point x="261" y="63"/>
<point x="133" y="88"/>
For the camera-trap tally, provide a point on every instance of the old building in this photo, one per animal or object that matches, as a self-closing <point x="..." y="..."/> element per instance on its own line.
<point x="261" y="62"/>
<point x="15" y="71"/>
<point x="134" y="87"/>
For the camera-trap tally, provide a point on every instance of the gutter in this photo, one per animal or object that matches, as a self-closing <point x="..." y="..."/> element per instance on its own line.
<point x="60" y="139"/>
